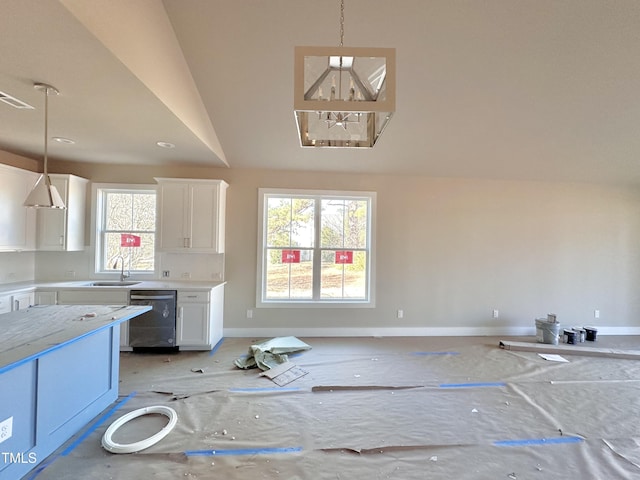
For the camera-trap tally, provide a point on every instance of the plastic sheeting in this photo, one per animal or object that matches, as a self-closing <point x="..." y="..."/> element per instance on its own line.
<point x="383" y="408"/>
<point x="271" y="353"/>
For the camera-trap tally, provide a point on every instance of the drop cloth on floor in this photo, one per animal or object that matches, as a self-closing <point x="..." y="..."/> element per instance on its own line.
<point x="399" y="408"/>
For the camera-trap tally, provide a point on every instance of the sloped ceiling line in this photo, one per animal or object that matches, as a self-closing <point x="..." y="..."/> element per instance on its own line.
<point x="140" y="35"/>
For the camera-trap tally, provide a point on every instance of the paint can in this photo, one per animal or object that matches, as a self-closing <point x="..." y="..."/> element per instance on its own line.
<point x="581" y="333"/>
<point x="547" y="332"/>
<point x="591" y="333"/>
<point x="569" y="336"/>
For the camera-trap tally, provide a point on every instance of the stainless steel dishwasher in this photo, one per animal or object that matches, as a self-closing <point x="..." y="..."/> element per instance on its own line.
<point x="157" y="327"/>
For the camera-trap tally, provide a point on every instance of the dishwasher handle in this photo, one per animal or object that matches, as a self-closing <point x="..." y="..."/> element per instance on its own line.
<point x="152" y="297"/>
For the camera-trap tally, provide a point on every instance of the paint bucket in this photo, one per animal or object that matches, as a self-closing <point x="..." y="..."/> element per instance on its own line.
<point x="547" y="332"/>
<point x="581" y="333"/>
<point x="591" y="333"/>
<point x="569" y="336"/>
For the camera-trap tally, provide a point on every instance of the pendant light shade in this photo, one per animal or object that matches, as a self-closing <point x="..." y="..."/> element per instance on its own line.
<point x="44" y="194"/>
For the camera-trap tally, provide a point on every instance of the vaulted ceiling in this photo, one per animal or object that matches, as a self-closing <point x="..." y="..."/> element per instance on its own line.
<point x="529" y="89"/>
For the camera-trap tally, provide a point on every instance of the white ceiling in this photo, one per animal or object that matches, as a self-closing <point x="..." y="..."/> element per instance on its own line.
<point x="522" y="89"/>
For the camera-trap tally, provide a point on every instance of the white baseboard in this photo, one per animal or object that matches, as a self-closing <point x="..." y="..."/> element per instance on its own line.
<point x="406" y="332"/>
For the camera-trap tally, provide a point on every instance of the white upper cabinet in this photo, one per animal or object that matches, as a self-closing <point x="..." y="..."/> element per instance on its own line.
<point x="17" y="222"/>
<point x="191" y="215"/>
<point x="63" y="230"/>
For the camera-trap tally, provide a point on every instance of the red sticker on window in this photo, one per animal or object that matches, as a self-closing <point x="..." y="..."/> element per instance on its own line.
<point x="344" y="256"/>
<point x="129" y="240"/>
<point x="290" y="256"/>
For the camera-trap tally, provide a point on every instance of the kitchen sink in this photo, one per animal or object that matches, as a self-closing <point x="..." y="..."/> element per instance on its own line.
<point x="112" y="284"/>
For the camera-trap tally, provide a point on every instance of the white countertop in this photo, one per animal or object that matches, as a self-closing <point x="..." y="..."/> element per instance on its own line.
<point x="36" y="330"/>
<point x="9" y="288"/>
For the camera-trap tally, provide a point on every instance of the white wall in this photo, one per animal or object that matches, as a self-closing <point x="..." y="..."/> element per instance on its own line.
<point x="450" y="251"/>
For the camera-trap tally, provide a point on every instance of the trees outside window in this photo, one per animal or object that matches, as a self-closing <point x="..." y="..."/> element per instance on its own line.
<point x="316" y="246"/>
<point x="126" y="224"/>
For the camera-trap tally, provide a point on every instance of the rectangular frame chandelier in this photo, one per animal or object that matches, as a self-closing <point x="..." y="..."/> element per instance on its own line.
<point x="343" y="96"/>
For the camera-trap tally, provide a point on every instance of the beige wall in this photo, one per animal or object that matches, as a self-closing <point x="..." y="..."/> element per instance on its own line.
<point x="450" y="251"/>
<point x="19" y="161"/>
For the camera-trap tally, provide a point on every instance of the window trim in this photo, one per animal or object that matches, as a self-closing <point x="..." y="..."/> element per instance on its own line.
<point x="307" y="303"/>
<point x="96" y="223"/>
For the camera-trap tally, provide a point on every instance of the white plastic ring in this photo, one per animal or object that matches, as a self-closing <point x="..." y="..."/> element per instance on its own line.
<point x="114" y="447"/>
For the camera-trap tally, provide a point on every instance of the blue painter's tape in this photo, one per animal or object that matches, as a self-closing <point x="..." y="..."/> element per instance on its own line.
<point x="98" y="422"/>
<point x="273" y="389"/>
<point x="82" y="437"/>
<point x="473" y="385"/>
<point x="435" y="353"/>
<point x="537" y="441"/>
<point x="241" y="451"/>
<point x="215" y="349"/>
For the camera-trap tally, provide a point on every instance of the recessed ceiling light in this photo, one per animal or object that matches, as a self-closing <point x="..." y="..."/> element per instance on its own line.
<point x="66" y="141"/>
<point x="165" y="145"/>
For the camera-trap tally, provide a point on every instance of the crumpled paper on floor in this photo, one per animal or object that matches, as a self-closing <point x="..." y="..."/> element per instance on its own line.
<point x="271" y="353"/>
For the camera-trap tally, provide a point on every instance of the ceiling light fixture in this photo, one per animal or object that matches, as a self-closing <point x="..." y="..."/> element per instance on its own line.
<point x="343" y="96"/>
<point x="165" y="145"/>
<point x="66" y="141"/>
<point x="43" y="193"/>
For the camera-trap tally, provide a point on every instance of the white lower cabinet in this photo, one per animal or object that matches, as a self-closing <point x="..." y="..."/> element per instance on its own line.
<point x="20" y="301"/>
<point x="46" y="297"/>
<point x="199" y="318"/>
<point x="5" y="304"/>
<point x="17" y="301"/>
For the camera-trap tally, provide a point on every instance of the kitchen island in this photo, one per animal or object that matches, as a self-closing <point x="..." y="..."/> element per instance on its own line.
<point x="59" y="368"/>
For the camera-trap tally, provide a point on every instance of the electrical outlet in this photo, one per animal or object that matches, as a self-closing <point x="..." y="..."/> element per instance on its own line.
<point x="496" y="313"/>
<point x="166" y="273"/>
<point x="186" y="275"/>
<point x="6" y="429"/>
<point x="249" y="313"/>
<point x="596" y="314"/>
<point x="400" y="314"/>
<point x="70" y="274"/>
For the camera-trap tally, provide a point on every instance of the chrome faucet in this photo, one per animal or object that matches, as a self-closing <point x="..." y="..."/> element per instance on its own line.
<point x="122" y="274"/>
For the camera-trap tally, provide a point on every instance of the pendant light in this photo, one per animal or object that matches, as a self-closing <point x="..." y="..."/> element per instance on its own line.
<point x="343" y="96"/>
<point x="43" y="194"/>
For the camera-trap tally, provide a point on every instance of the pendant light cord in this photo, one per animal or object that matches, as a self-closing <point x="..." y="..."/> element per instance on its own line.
<point x="46" y="128"/>
<point x="342" y="23"/>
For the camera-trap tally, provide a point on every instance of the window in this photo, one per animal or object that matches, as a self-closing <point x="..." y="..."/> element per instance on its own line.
<point x="125" y="229"/>
<point x="315" y="247"/>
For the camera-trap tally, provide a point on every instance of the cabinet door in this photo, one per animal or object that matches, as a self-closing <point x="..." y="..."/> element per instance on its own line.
<point x="52" y="222"/>
<point x="193" y="325"/>
<point x="173" y="216"/>
<point x="63" y="230"/>
<point x="204" y="209"/>
<point x="46" y="298"/>
<point x="17" y="223"/>
<point x="5" y="304"/>
<point x="191" y="215"/>
<point x="20" y="301"/>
